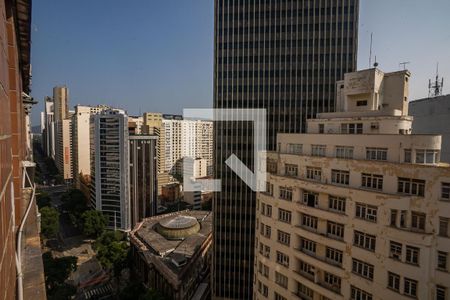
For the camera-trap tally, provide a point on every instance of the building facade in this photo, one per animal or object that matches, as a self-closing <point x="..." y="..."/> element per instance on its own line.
<point x="17" y="192"/>
<point x="110" y="167"/>
<point x="171" y="254"/>
<point x="63" y="148"/>
<point x="357" y="207"/>
<point x="431" y="116"/>
<point x="143" y="177"/>
<point x="285" y="57"/>
<point x="48" y="130"/>
<point x="81" y="164"/>
<point x="61" y="102"/>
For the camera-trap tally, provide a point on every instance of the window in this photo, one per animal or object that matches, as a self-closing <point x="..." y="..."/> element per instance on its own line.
<point x="318" y="150"/>
<point x="281" y="280"/>
<point x="443" y="227"/>
<point x="266" y="251"/>
<point x="366" y="212"/>
<point x="395" y="250"/>
<point x="310" y="199"/>
<point x="269" y="188"/>
<point x="263" y="289"/>
<point x="412" y="255"/>
<point x="442" y="260"/>
<point x="263" y="269"/>
<point x="335" y="230"/>
<point x="344" y="152"/>
<point x="361" y="103"/>
<point x="284" y="216"/>
<point x="445" y="191"/>
<point x="352" y="128"/>
<point x="403" y="214"/>
<point x="313" y="173"/>
<point x="410" y="288"/>
<point x="284" y="237"/>
<point x="291" y="170"/>
<point x="418" y="221"/>
<point x="336" y="204"/>
<point x="340" y="177"/>
<point x="394" y="281"/>
<point x="307" y="245"/>
<point x="408" y="156"/>
<point x="305" y="291"/>
<point x="309" y="221"/>
<point x="393" y="217"/>
<point x="266" y="230"/>
<point x="411" y="186"/>
<point x="333" y="255"/>
<point x="364" y="240"/>
<point x="295" y="148"/>
<point x="286" y="193"/>
<point x="307" y="269"/>
<point x="333" y="281"/>
<point x="266" y="209"/>
<point x="282" y="259"/>
<point x="376" y="153"/>
<point x="358" y="294"/>
<point x="441" y="292"/>
<point x="272" y="166"/>
<point x="372" y="181"/>
<point x="279" y="297"/>
<point x="426" y="156"/>
<point x="321" y="128"/>
<point x="363" y="269"/>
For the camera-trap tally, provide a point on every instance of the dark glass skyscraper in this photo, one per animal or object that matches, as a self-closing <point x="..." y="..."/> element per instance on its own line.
<point x="285" y="56"/>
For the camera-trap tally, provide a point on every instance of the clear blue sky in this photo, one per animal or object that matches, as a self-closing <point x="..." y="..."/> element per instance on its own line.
<point x="149" y="55"/>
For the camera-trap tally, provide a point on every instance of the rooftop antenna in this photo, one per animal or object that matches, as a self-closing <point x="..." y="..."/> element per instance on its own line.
<point x="404" y="64"/>
<point x="435" y="88"/>
<point x="375" y="64"/>
<point x="370" y="52"/>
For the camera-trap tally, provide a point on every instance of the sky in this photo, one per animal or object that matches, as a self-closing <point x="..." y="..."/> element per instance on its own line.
<point x="152" y="55"/>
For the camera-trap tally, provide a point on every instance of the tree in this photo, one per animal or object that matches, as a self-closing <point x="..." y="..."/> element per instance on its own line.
<point x="49" y="222"/>
<point x="42" y="200"/>
<point x="74" y="203"/>
<point x="57" y="270"/>
<point x="136" y="290"/>
<point x="94" y="223"/>
<point x="112" y="251"/>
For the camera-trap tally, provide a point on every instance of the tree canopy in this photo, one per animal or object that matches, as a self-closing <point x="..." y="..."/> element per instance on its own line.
<point x="57" y="270"/>
<point x="94" y="223"/>
<point x="49" y="222"/>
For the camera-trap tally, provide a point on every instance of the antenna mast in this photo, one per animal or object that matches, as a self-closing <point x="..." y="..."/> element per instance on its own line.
<point x="370" y="52"/>
<point x="435" y="88"/>
<point x="404" y="64"/>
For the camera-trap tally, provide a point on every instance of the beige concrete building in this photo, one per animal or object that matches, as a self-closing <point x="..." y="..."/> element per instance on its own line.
<point x="81" y="164"/>
<point x="63" y="148"/>
<point x="357" y="207"/>
<point x="61" y="102"/>
<point x="153" y="125"/>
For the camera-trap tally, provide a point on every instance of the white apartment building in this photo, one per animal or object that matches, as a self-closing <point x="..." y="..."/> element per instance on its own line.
<point x="81" y="157"/>
<point x="357" y="207"/>
<point x="187" y="138"/>
<point x="48" y="128"/>
<point x="110" y="167"/>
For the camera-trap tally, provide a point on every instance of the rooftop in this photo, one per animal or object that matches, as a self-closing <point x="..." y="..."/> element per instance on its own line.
<point x="169" y="241"/>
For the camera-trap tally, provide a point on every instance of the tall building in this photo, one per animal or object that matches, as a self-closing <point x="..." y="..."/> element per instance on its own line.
<point x="61" y="102"/>
<point x="187" y="138"/>
<point x="358" y="207"/>
<point x="143" y="177"/>
<point x="284" y="56"/>
<point x="48" y="132"/>
<point x="110" y="167"/>
<point x="63" y="148"/>
<point x="17" y="195"/>
<point x="153" y="125"/>
<point x="431" y="116"/>
<point x="81" y="164"/>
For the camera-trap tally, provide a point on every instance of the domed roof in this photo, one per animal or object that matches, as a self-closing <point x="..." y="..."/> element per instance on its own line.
<point x="178" y="227"/>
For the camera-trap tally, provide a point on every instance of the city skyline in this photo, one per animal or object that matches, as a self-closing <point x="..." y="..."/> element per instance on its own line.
<point x="99" y="58"/>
